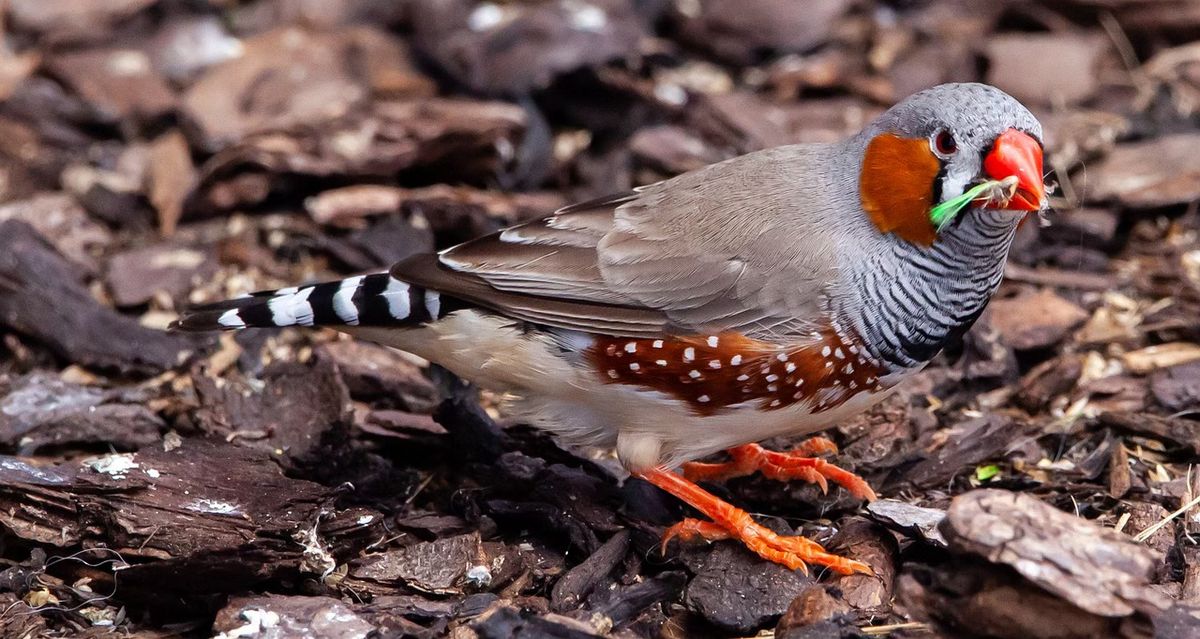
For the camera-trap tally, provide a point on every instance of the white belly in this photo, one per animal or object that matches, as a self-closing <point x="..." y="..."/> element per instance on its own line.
<point x="647" y="428"/>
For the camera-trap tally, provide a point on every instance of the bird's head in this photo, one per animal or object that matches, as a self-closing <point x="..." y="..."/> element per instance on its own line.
<point x="947" y="152"/>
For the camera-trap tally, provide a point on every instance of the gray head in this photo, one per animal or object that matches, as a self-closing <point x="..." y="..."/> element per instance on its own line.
<point x="917" y="283"/>
<point x="934" y="146"/>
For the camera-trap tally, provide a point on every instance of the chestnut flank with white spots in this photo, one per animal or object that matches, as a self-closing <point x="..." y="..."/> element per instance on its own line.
<point x="823" y="373"/>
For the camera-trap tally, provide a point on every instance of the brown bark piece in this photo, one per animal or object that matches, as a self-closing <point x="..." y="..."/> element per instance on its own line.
<point x="514" y="48"/>
<point x="977" y="599"/>
<point x="1157" y="172"/>
<point x="41" y="296"/>
<point x="284" y="77"/>
<point x="1176" y="432"/>
<point x="578" y="582"/>
<point x="170" y="177"/>
<point x="913" y="520"/>
<point x="135" y="276"/>
<point x="224" y="516"/>
<point x="1037" y="321"/>
<point x="871" y="544"/>
<point x="436" y="567"/>
<point x="736" y="591"/>
<point x="1097" y="569"/>
<point x="459" y="140"/>
<point x="60" y="219"/>
<point x="121" y="84"/>
<point x="741" y="32"/>
<point x="40" y="410"/>
<point x="1046" y="68"/>
<point x="289" y="415"/>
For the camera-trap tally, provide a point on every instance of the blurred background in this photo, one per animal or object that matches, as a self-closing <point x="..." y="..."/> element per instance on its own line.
<point x="157" y="153"/>
<point x="358" y="131"/>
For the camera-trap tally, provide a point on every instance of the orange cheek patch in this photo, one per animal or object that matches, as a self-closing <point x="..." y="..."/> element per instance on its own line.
<point x="896" y="186"/>
<point x="714" y="372"/>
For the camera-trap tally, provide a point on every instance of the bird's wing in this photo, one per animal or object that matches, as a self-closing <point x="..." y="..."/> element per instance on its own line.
<point x="732" y="247"/>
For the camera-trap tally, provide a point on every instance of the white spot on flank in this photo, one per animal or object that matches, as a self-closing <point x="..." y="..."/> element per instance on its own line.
<point x="839" y="354"/>
<point x="713" y="341"/>
<point x="660" y="362"/>
<point x="343" y="300"/>
<point x="694" y="374"/>
<point x="854" y="349"/>
<point x="635" y="367"/>
<point x="783" y="357"/>
<point x="825" y="352"/>
<point x="716" y="363"/>
<point x="433" y="303"/>
<point x="775" y="402"/>
<point x="849" y="369"/>
<point x="771" y="388"/>
<point x="742" y="378"/>
<point x="853" y="384"/>
<point x="631" y="347"/>
<point x="772" y="378"/>
<point x="658" y="343"/>
<point x="702" y="398"/>
<point x="396" y="295"/>
<point x="689" y="354"/>
<point x="791" y="367"/>
<point x="735" y="360"/>
<point x="828" y="364"/>
<point x="231" y="319"/>
<point x="613" y="373"/>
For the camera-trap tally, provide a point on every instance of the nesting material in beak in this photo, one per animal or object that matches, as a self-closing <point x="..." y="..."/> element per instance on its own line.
<point x="1015" y="154"/>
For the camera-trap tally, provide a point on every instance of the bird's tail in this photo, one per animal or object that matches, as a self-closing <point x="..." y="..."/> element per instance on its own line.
<point x="363" y="300"/>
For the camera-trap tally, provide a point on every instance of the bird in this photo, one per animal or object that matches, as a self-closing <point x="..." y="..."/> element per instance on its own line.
<point x="775" y="293"/>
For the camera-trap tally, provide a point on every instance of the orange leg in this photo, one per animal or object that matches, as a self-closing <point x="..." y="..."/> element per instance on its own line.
<point x="796" y="464"/>
<point x="733" y="523"/>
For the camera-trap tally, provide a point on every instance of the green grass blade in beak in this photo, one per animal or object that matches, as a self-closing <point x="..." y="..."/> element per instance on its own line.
<point x="944" y="213"/>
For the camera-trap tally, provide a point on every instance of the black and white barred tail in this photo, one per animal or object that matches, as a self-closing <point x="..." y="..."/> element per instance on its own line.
<point x="363" y="300"/>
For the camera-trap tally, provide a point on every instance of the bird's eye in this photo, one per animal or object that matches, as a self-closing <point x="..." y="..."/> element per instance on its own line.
<point x="944" y="144"/>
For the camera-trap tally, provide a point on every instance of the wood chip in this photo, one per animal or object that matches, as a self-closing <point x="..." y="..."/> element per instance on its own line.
<point x="1152" y="358"/>
<point x="1158" y="172"/>
<point x="1095" y="568"/>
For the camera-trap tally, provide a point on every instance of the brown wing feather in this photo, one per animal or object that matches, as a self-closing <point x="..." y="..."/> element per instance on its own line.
<point x="746" y="245"/>
<point x="609" y="319"/>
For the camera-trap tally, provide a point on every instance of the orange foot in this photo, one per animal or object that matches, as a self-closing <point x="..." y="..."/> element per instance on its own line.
<point x="796" y="464"/>
<point x="729" y="522"/>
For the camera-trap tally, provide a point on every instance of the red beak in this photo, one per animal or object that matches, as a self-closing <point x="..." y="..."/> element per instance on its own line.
<point x="1016" y="153"/>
